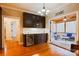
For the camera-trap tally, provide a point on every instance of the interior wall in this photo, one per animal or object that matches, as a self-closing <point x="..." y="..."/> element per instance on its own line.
<point x="72" y="7"/>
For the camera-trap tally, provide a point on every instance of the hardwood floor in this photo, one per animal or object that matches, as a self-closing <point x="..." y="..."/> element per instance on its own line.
<point x="12" y="48"/>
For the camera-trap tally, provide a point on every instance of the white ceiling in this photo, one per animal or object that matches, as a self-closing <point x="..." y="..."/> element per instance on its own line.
<point x="35" y="7"/>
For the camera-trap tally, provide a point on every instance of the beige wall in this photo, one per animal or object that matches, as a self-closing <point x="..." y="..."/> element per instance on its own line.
<point x="67" y="9"/>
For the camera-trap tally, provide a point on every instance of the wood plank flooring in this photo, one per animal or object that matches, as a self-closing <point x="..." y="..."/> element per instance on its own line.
<point x="13" y="48"/>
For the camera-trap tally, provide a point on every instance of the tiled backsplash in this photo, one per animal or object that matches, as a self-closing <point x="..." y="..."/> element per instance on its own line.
<point x="35" y="30"/>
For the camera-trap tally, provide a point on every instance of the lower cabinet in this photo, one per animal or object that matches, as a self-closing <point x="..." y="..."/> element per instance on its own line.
<point x="28" y="40"/>
<point x="40" y="38"/>
<point x="33" y="39"/>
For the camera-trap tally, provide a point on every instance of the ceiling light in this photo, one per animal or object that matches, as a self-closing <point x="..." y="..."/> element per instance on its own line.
<point x="47" y="11"/>
<point x="39" y="12"/>
<point x="65" y="19"/>
<point x="44" y="11"/>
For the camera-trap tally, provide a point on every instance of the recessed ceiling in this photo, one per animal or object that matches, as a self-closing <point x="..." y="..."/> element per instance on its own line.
<point x="35" y="7"/>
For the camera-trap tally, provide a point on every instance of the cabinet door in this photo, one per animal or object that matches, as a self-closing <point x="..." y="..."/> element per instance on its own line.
<point x="29" y="39"/>
<point x="0" y="27"/>
<point x="43" y="22"/>
<point x="40" y="38"/>
<point x="39" y="22"/>
<point x="43" y="38"/>
<point x="27" y="20"/>
<point x="35" y="38"/>
<point x="24" y="40"/>
<point x="33" y="21"/>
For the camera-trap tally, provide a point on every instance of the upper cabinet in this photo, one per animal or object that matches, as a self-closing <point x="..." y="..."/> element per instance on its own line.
<point x="33" y="21"/>
<point x="27" y="20"/>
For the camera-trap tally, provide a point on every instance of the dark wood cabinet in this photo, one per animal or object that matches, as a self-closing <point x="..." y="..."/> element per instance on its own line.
<point x="0" y="28"/>
<point x="39" y="22"/>
<point x="40" y="38"/>
<point x="33" y="21"/>
<point x="34" y="39"/>
<point x="27" y="20"/>
<point x="24" y="40"/>
<point x="28" y="40"/>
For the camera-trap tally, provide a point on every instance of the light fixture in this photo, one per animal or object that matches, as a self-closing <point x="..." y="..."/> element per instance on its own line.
<point x="44" y="11"/>
<point x="65" y="19"/>
<point x="39" y="12"/>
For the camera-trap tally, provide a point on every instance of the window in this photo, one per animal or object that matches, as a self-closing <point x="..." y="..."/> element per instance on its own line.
<point x="60" y="27"/>
<point x="71" y="27"/>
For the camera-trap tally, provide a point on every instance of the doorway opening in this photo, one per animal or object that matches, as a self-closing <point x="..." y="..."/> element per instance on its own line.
<point x="11" y="30"/>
